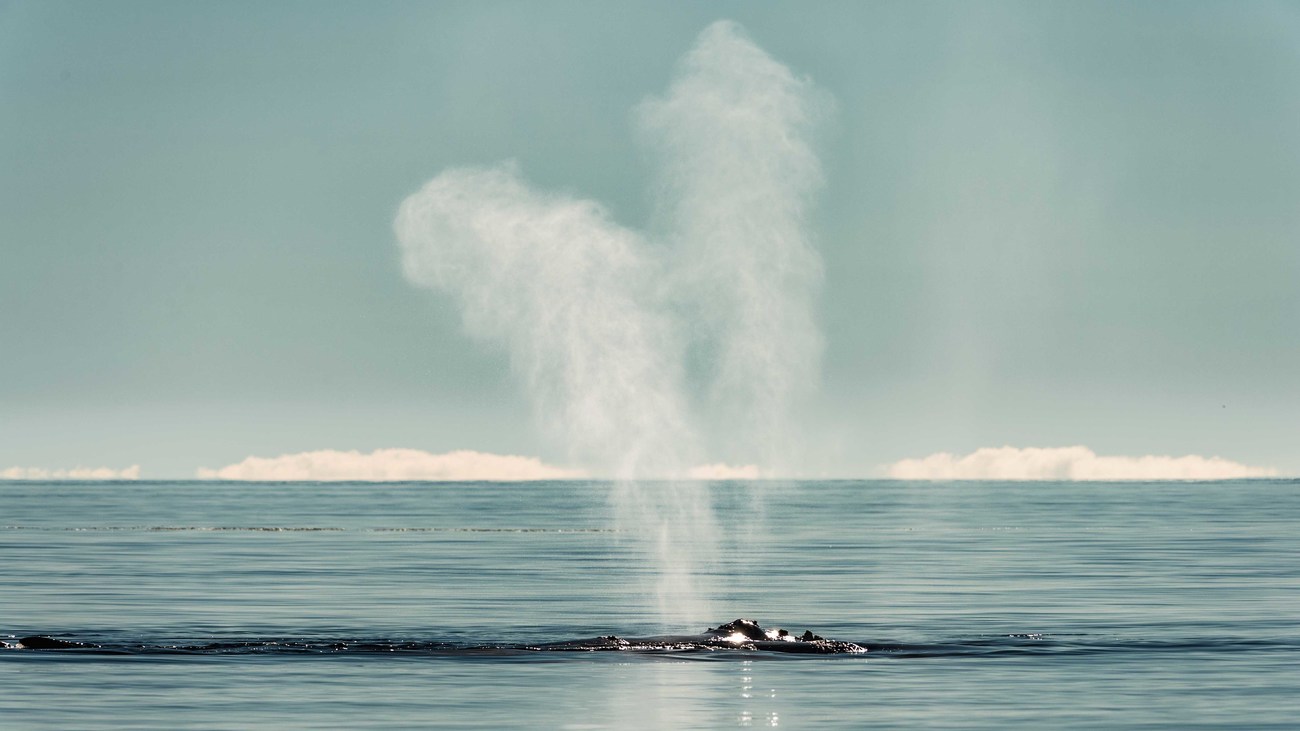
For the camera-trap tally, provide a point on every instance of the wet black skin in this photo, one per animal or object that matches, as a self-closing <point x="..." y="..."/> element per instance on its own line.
<point x="740" y="634"/>
<point x="38" y="642"/>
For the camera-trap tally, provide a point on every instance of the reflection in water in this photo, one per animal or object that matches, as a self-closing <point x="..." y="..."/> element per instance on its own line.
<point x="757" y="706"/>
<point x="688" y="694"/>
<point x="666" y="695"/>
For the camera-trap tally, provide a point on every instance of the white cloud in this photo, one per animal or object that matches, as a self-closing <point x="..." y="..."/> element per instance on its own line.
<point x="389" y="464"/>
<point x="78" y="473"/>
<point x="720" y="471"/>
<point x="1068" y="463"/>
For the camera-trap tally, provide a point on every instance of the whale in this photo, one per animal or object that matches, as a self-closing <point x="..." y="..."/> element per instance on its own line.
<point x="738" y="634"/>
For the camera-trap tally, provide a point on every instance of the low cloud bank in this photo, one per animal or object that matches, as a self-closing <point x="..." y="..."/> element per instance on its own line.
<point x="1068" y="463"/>
<point x="389" y="465"/>
<point x="395" y="465"/>
<point x="77" y="473"/>
<point x="722" y="471"/>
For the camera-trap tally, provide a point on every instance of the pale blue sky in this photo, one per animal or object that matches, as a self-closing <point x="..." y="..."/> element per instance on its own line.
<point x="1044" y="224"/>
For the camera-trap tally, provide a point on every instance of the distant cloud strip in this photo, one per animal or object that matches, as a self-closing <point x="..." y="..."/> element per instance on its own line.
<point x="78" y="473"/>
<point x="722" y="471"/>
<point x="1068" y="463"/>
<point x="390" y="465"/>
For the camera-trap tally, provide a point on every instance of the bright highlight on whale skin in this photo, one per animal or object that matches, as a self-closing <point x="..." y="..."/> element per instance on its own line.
<point x="1068" y="463"/>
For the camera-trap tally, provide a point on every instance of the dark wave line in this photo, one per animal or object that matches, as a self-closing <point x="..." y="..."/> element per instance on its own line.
<point x="1012" y="646"/>
<point x="290" y="529"/>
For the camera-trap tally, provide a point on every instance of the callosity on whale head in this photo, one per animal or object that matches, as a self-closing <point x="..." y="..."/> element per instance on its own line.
<point x="740" y="630"/>
<point x="740" y="634"/>
<point x="748" y="633"/>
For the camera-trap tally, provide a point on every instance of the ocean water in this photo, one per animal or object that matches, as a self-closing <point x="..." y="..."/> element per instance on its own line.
<point x="983" y="605"/>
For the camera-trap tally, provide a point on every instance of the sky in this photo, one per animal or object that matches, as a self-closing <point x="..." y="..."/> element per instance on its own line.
<point x="1041" y="225"/>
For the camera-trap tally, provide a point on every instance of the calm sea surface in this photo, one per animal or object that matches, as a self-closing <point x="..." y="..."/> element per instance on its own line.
<point x="984" y="605"/>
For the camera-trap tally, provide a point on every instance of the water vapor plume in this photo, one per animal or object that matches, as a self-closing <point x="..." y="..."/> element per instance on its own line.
<point x="600" y="320"/>
<point x="737" y="172"/>
<point x="566" y="290"/>
<point x="570" y="295"/>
